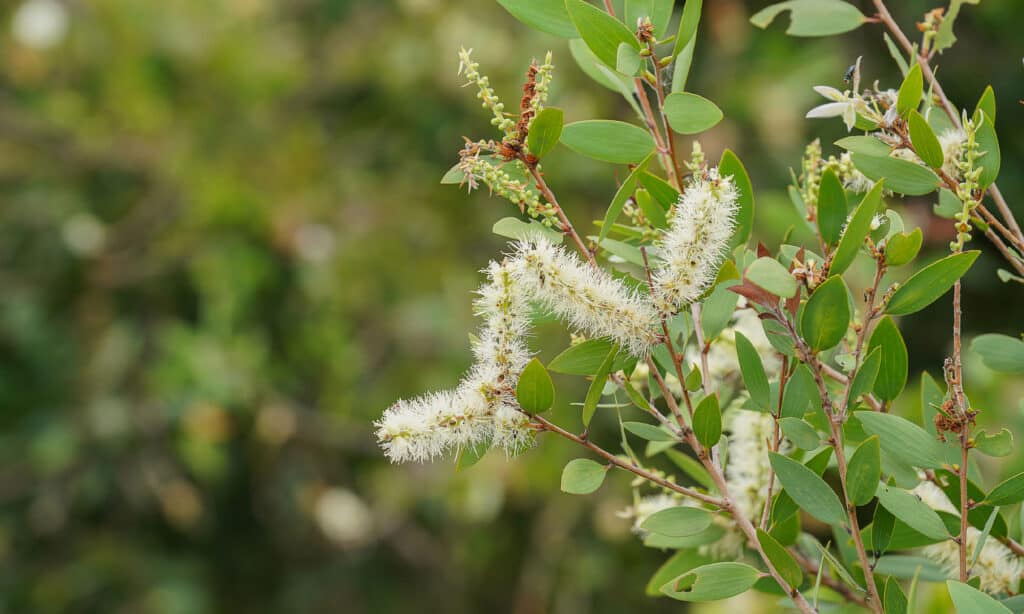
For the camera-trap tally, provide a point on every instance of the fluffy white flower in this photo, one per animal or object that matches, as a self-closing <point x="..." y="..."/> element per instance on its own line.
<point x="589" y="298"/>
<point x="692" y="248"/>
<point x="482" y="408"/>
<point x="998" y="568"/>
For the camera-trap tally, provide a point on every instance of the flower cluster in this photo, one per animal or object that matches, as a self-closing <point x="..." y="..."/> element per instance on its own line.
<point x="877" y="107"/>
<point x="998" y="568"/>
<point x="483" y="409"/>
<point x="697" y="237"/>
<point x="485" y="92"/>
<point x="590" y="299"/>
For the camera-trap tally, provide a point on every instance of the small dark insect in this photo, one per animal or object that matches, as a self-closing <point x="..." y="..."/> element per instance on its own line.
<point x="848" y="75"/>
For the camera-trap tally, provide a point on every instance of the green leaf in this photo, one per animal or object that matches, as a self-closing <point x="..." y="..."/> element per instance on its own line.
<point x="772" y="276"/>
<point x="932" y="396"/>
<point x="826" y="315"/>
<point x="910" y="91"/>
<point x="900" y="176"/>
<point x="988" y="147"/>
<point x="832" y="207"/>
<point x="882" y="526"/>
<point x="628" y="60"/>
<point x="894" y="601"/>
<point x="582" y="476"/>
<point x="584" y="358"/>
<point x="712" y="582"/>
<point x="730" y="165"/>
<point x="691" y="114"/>
<point x="515" y="228"/>
<point x="608" y="140"/>
<point x="1000" y="352"/>
<point x="781" y="559"/>
<point x="799" y="389"/>
<point x="648" y="431"/>
<point x="661" y="190"/>
<point x="752" y="369"/>
<point x="987" y="103"/>
<point x="707" y="421"/>
<point x="903" y="247"/>
<point x="602" y="32"/>
<point x="535" y="390"/>
<point x="928" y="284"/>
<point x="903" y="439"/>
<point x="912" y="511"/>
<point x="680" y="521"/>
<point x="718" y="307"/>
<point x="621" y="196"/>
<point x="800" y="433"/>
<point x="867" y="145"/>
<point x="1007" y="492"/>
<point x="812" y="17"/>
<point x="998" y="445"/>
<point x="687" y="31"/>
<point x="545" y="15"/>
<point x="866" y="375"/>
<point x="596" y="386"/>
<point x="926" y="144"/>
<point x="652" y="210"/>
<point x="863" y="471"/>
<point x="545" y="130"/>
<point x="808" y="490"/>
<point x="855" y="231"/>
<point x="684" y="59"/>
<point x="969" y="600"/>
<point x="892" y="375"/>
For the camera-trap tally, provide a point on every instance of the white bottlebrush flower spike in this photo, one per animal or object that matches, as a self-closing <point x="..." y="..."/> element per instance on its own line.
<point x="589" y="298"/>
<point x="952" y="142"/>
<point x="998" y="568"/>
<point x="482" y="409"/>
<point x="692" y="248"/>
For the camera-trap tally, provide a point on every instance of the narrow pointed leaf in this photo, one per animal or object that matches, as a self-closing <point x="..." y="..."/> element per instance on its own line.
<point x="930" y="283"/>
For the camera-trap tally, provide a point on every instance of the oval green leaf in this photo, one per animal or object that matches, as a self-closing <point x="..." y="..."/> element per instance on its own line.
<point x="826" y="315"/>
<point x="707" y="421"/>
<point x="910" y="91"/>
<point x="906" y="507"/>
<point x="900" y="176"/>
<point x="681" y="521"/>
<point x="608" y="140"/>
<point x="812" y="17"/>
<point x="535" y="390"/>
<point x="582" y="476"/>
<point x="903" y="439"/>
<point x="969" y="600"/>
<point x="545" y="130"/>
<point x="772" y="276"/>
<point x="892" y="373"/>
<point x="928" y="284"/>
<point x="808" y="490"/>
<point x="863" y="471"/>
<point x="926" y="144"/>
<point x="856" y="229"/>
<point x="903" y="247"/>
<point x="781" y="559"/>
<point x="753" y="373"/>
<point x="1000" y="352"/>
<point x="691" y="114"/>
<point x="832" y="207"/>
<point x="730" y="165"/>
<point x="712" y="582"/>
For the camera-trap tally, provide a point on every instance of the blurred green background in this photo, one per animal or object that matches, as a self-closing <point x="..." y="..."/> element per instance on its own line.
<point x="224" y="251"/>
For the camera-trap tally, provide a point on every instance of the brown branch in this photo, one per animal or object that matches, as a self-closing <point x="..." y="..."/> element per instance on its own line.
<point x="567" y="226"/>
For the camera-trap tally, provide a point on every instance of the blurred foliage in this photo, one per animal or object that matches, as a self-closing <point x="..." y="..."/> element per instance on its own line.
<point x="224" y="250"/>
